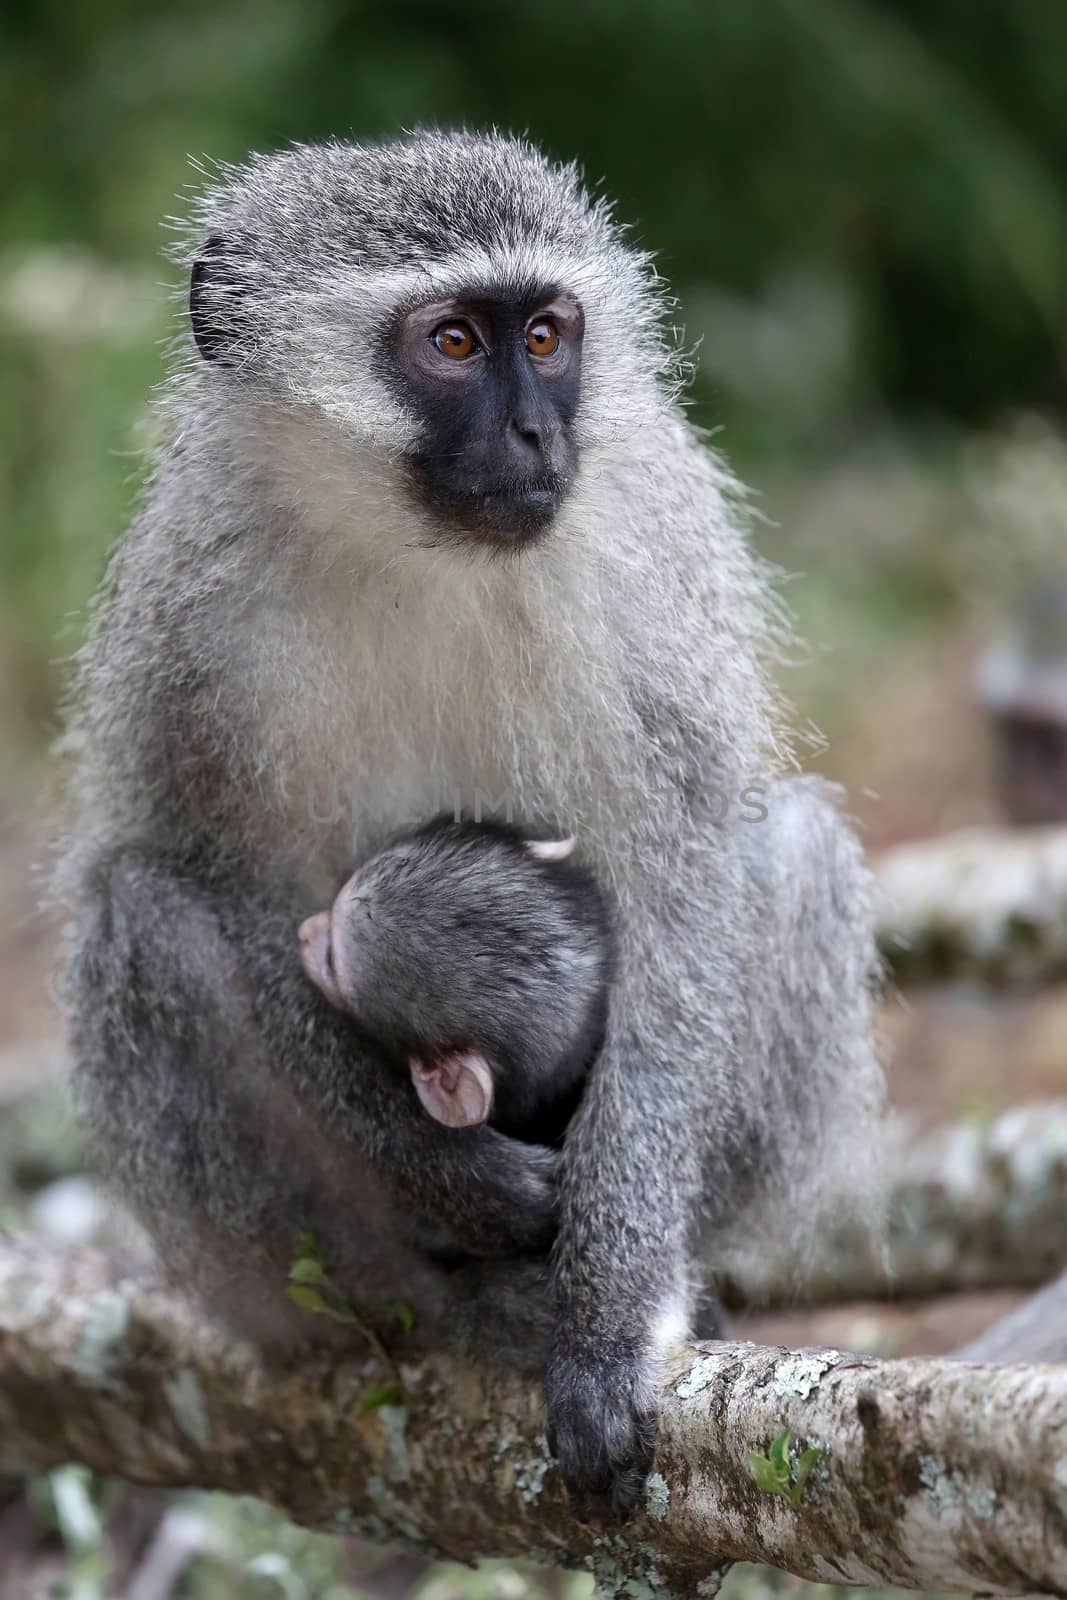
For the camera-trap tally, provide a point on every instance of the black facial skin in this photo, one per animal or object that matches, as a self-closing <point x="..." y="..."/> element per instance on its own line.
<point x="496" y="452"/>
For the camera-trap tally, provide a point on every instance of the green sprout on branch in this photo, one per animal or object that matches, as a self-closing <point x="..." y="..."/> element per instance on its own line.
<point x="312" y="1289"/>
<point x="775" y="1473"/>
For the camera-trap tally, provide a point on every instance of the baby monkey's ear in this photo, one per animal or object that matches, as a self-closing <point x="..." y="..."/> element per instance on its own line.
<point x="551" y="849"/>
<point x="455" y="1086"/>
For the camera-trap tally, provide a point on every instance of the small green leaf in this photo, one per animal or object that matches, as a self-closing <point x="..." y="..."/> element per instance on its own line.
<point x="776" y="1474"/>
<point x="383" y="1394"/>
<point x="308" y="1299"/>
<point x="779" y="1455"/>
<point x="763" y="1472"/>
<point x="308" y="1245"/>
<point x="344" y="1313"/>
<point x="306" y="1270"/>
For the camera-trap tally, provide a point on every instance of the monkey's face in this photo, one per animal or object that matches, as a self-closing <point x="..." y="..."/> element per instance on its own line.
<point x="437" y="940"/>
<point x="413" y="341"/>
<point x="494" y="381"/>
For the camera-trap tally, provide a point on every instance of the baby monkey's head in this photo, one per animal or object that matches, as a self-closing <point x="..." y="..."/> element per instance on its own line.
<point x="480" y="958"/>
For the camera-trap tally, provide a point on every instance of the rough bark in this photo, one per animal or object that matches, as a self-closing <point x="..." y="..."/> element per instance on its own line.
<point x="972" y="1205"/>
<point x="931" y="1474"/>
<point x="987" y="903"/>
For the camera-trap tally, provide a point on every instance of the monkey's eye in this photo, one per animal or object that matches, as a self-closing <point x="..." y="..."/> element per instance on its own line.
<point x="542" y="337"/>
<point x="455" y="340"/>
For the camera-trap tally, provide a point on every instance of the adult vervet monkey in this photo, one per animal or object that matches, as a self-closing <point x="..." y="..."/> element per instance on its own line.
<point x="430" y="522"/>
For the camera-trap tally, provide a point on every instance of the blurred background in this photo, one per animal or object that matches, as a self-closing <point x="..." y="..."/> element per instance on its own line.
<point x="862" y="207"/>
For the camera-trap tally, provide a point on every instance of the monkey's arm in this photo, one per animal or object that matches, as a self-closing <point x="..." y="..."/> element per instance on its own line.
<point x="737" y="1068"/>
<point x="187" y="991"/>
<point x="630" y="1184"/>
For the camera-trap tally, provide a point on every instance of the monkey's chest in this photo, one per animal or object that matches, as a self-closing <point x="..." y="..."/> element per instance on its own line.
<point x="446" y="699"/>
<point x="401" y="748"/>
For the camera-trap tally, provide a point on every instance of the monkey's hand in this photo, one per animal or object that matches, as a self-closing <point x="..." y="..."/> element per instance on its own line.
<point x="493" y="1196"/>
<point x="601" y="1428"/>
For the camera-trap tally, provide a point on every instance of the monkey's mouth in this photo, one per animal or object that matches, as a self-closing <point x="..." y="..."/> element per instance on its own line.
<point x="516" y="508"/>
<point x="508" y="514"/>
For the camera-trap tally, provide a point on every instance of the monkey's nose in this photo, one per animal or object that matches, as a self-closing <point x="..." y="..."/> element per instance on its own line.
<point x="531" y="436"/>
<point x="314" y="938"/>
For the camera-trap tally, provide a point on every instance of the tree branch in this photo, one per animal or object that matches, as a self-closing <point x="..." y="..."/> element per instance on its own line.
<point x="988" y="903"/>
<point x="1034" y="1331"/>
<point x="930" y="1474"/>
<point x="972" y="1205"/>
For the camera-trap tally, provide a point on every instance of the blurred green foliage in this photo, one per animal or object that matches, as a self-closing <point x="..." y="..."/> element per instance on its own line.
<point x="861" y="203"/>
<point x="915" y="149"/>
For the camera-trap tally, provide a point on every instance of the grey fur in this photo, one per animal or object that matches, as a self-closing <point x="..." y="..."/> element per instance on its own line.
<point x="288" y="664"/>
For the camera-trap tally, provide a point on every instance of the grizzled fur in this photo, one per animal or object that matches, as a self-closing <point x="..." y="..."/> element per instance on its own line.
<point x="461" y="938"/>
<point x="288" y="663"/>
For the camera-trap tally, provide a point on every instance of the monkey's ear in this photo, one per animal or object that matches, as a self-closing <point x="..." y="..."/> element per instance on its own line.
<point x="551" y="849"/>
<point x="213" y="293"/>
<point x="455" y="1087"/>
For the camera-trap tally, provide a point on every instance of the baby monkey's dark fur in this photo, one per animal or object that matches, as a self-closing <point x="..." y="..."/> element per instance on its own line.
<point x="483" y="959"/>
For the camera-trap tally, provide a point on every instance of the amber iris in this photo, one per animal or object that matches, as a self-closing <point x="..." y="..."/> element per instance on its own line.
<point x="542" y="338"/>
<point x="454" y="339"/>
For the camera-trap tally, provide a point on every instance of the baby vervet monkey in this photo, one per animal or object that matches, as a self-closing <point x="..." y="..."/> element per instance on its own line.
<point x="480" y="959"/>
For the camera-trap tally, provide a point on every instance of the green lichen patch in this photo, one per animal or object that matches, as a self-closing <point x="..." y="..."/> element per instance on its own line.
<point x="185" y="1398"/>
<point x="530" y="1473"/>
<point x="657" y="1497"/>
<point x="700" y="1375"/>
<point x="620" y="1570"/>
<point x="797" y="1375"/>
<point x="947" y="1490"/>
<point x="396" y="1521"/>
<point x="102" y="1348"/>
<point x="397" y="1460"/>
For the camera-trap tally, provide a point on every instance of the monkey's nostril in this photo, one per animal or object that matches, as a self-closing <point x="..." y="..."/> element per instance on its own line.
<point x="530" y="433"/>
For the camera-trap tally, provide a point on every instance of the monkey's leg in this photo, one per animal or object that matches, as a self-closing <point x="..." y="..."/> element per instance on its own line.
<point x="223" y="1091"/>
<point x="810" y="1046"/>
<point x="183" y="1103"/>
<point x="737" y="1043"/>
